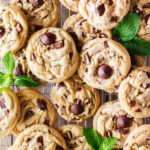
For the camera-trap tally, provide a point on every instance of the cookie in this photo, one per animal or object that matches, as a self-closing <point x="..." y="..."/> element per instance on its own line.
<point x="52" y="55"/>
<point x="9" y="111"/>
<point x="142" y="8"/>
<point x="10" y="148"/>
<point x="138" y="139"/>
<point x="40" y="137"/>
<point x="134" y="93"/>
<point x="74" y="137"/>
<point x="112" y="121"/>
<point x="104" y="63"/>
<point x="13" y="29"/>
<point x="71" y="4"/>
<point x="82" y="31"/>
<point x="35" y="109"/>
<point x="40" y="13"/>
<point x="104" y="15"/>
<point x="74" y="100"/>
<point x="22" y="68"/>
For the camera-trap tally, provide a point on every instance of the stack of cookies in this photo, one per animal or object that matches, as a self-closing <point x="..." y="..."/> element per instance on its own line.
<point x="79" y="59"/>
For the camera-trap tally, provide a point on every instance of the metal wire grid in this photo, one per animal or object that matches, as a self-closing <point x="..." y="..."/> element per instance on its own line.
<point x="9" y="140"/>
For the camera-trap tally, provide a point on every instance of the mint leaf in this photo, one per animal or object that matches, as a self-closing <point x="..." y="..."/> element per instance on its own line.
<point x="137" y="46"/>
<point x="8" y="63"/>
<point x="108" y="144"/>
<point x="8" y="81"/>
<point x="25" y="81"/>
<point x="1" y="90"/>
<point x="2" y="77"/>
<point x="92" y="138"/>
<point x="128" y="27"/>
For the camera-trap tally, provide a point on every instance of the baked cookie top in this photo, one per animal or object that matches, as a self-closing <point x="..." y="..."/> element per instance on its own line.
<point x="74" y="100"/>
<point x="35" y="109"/>
<point x="112" y="121"/>
<point x="104" y="63"/>
<point x="40" y="13"/>
<point x="13" y="29"/>
<point x="40" y="137"/>
<point x="134" y="93"/>
<point x="52" y="55"/>
<point x="104" y="15"/>
<point x="138" y="139"/>
<point x="82" y="31"/>
<point x="74" y="137"/>
<point x="9" y="111"/>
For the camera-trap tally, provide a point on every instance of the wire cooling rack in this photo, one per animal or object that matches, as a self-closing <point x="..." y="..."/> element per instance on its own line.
<point x="9" y="140"/>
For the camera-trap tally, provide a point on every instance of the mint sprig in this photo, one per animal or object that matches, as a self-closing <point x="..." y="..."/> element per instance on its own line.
<point x="126" y="32"/>
<point x="97" y="142"/>
<point x="6" y="80"/>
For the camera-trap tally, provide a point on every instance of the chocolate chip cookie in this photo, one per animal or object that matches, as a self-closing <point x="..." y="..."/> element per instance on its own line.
<point x="40" y="137"/>
<point x="35" y="109"/>
<point x="13" y="29"/>
<point x="138" y="139"/>
<point x="112" y="121"/>
<point x="40" y="13"/>
<point x="9" y="111"/>
<point x="22" y="68"/>
<point x="134" y="93"/>
<point x="82" y="31"/>
<point x="71" y="4"/>
<point x="104" y="63"/>
<point x="104" y="15"/>
<point x="142" y="8"/>
<point x="52" y="55"/>
<point x="10" y="148"/>
<point x="74" y="100"/>
<point x="74" y="137"/>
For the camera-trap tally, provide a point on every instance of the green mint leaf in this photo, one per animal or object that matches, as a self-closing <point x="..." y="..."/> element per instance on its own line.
<point x="2" y="77"/>
<point x="92" y="138"/>
<point x="137" y="46"/>
<point x="8" y="81"/>
<point x="25" y="81"/>
<point x="1" y="90"/>
<point x="128" y="27"/>
<point x="108" y="144"/>
<point x="8" y="63"/>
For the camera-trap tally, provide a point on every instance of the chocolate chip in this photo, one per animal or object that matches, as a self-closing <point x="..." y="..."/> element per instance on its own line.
<point x="123" y="121"/>
<point x="74" y="36"/>
<point x="2" y="103"/>
<point x="79" y="89"/>
<point x="100" y="10"/>
<point x="147" y="85"/>
<point x="18" y="71"/>
<point x="19" y="27"/>
<point x="46" y="122"/>
<point x="86" y="69"/>
<point x="146" y="18"/>
<point x="123" y="131"/>
<point x="60" y="85"/>
<point x="110" y="2"/>
<point x="32" y="57"/>
<point x="132" y="103"/>
<point x="28" y="115"/>
<point x="138" y="110"/>
<point x="106" y="44"/>
<point x="70" y="55"/>
<point x="57" y="45"/>
<point x="40" y="140"/>
<point x="56" y="106"/>
<point x="148" y="74"/>
<point x="137" y="10"/>
<point x="77" y="109"/>
<point x="2" y="31"/>
<point x="36" y="3"/>
<point x="28" y="140"/>
<point x="48" y="38"/>
<point x="59" y="148"/>
<point x="114" y="19"/>
<point x="146" y="5"/>
<point x="67" y="136"/>
<point x="104" y="71"/>
<point x="42" y="105"/>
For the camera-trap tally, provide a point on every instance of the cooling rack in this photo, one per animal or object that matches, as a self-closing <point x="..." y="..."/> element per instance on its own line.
<point x="9" y="140"/>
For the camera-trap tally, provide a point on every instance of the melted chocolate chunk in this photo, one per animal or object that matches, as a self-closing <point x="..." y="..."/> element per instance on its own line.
<point x="147" y="86"/>
<point x="28" y="140"/>
<point x="2" y="103"/>
<point x="67" y="136"/>
<point x="104" y="71"/>
<point x="148" y="74"/>
<point x="2" y="31"/>
<point x="40" y="140"/>
<point x="106" y="44"/>
<point x="110" y="2"/>
<point x="138" y="110"/>
<point x="60" y="85"/>
<point x="123" y="121"/>
<point x="132" y="103"/>
<point x="48" y="38"/>
<point x="19" y="27"/>
<point x="42" y="105"/>
<point x="59" y="148"/>
<point x="79" y="89"/>
<point x="100" y="10"/>
<point x="77" y="109"/>
<point x="147" y="5"/>
<point x="28" y="115"/>
<point x="46" y="122"/>
<point x="57" y="45"/>
<point x="146" y="18"/>
<point x="123" y="131"/>
<point x="114" y="19"/>
<point x="70" y="55"/>
<point x="36" y="3"/>
<point x="18" y="71"/>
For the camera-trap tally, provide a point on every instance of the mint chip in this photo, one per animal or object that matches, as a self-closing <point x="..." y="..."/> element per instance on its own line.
<point x="137" y="46"/>
<point x="128" y="27"/>
<point x="25" y="81"/>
